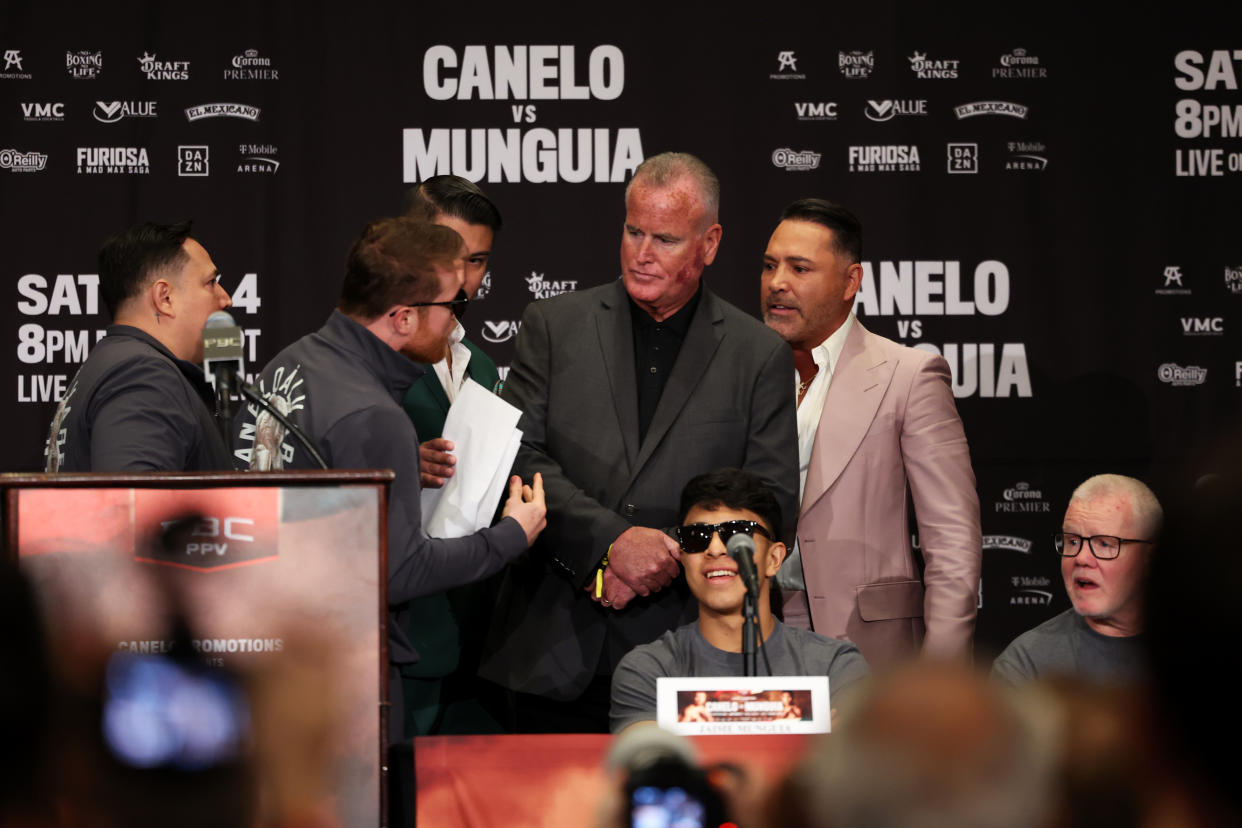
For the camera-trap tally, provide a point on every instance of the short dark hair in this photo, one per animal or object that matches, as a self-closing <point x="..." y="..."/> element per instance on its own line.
<point x="732" y="489"/>
<point x="394" y="261"/>
<point x="129" y="260"/>
<point x="845" y="226"/>
<point x="454" y="196"/>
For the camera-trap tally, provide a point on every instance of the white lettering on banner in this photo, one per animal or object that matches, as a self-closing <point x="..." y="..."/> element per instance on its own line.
<point x="521" y="73"/>
<point x="513" y="155"/>
<point x="1220" y="70"/>
<point x="1197" y="119"/>
<point x="932" y="288"/>
<point x="975" y="369"/>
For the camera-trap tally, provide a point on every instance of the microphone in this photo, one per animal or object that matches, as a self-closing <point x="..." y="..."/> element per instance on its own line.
<point x="223" y="346"/>
<point x="742" y="550"/>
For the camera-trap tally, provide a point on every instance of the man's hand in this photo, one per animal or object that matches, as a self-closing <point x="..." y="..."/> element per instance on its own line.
<point x="646" y="560"/>
<point x="527" y="507"/>
<point x="616" y="593"/>
<point x="435" y="463"/>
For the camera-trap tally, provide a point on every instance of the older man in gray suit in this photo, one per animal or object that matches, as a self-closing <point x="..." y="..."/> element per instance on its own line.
<point x="628" y="390"/>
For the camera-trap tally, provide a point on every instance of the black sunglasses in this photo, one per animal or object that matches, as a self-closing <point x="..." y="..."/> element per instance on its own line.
<point x="696" y="537"/>
<point x="457" y="304"/>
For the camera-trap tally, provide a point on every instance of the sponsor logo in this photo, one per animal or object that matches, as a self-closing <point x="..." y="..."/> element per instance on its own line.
<point x="109" y="112"/>
<point x="932" y="69"/>
<point x="1018" y="64"/>
<point x="1233" y="279"/>
<point x="816" y="110"/>
<point x="1177" y="375"/>
<point x="856" y="65"/>
<point x="1173" y="276"/>
<point x="788" y="159"/>
<point x="1026" y="155"/>
<point x="1237" y="374"/>
<point x="257" y="159"/>
<point x="13" y="66"/>
<point x="1030" y="591"/>
<point x="1203" y="325"/>
<point x="970" y="110"/>
<point x="235" y="527"/>
<point x="787" y="67"/>
<point x="113" y="161"/>
<point x="250" y="66"/>
<point x="485" y="287"/>
<point x="163" y="69"/>
<point x="1022" y="498"/>
<point x="963" y="158"/>
<point x="501" y="331"/>
<point x="884" y="158"/>
<point x="193" y="160"/>
<point x="18" y="161"/>
<point x="542" y="288"/>
<point x="1007" y="543"/>
<point x="43" y="111"/>
<point x="886" y="110"/>
<point x="84" y="65"/>
<point x="222" y="110"/>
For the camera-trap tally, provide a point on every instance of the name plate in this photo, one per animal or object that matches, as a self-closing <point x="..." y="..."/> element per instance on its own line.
<point x="732" y="705"/>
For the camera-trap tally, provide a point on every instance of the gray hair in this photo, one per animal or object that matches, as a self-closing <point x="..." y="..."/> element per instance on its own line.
<point x="1144" y="506"/>
<point x="667" y="168"/>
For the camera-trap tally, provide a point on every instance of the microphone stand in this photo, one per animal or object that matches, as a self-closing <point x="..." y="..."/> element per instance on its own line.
<point x="224" y="401"/>
<point x="750" y="627"/>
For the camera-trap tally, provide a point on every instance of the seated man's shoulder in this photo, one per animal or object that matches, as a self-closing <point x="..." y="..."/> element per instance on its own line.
<point x="1036" y="650"/>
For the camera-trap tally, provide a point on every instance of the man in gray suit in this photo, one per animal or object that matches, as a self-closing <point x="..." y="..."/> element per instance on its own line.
<point x="628" y="390"/>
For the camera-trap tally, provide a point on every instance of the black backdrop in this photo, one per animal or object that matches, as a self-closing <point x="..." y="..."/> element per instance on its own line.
<point x="1060" y="234"/>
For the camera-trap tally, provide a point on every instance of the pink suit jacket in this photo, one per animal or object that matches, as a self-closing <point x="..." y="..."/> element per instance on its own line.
<point x="889" y="420"/>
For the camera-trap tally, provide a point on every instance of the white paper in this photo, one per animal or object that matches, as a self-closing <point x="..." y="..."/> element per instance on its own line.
<point x="483" y="428"/>
<point x="736" y="705"/>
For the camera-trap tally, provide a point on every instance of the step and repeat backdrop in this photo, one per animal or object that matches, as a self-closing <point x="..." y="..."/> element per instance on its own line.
<point x="1055" y="209"/>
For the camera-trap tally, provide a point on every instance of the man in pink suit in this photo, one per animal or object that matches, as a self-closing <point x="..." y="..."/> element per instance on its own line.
<point x="875" y="419"/>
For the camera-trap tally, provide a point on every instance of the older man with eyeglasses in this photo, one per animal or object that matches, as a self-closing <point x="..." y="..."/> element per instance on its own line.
<point x="1106" y="542"/>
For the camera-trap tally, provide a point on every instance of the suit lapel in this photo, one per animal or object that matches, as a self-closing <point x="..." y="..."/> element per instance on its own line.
<point x="616" y="344"/>
<point x="434" y="391"/>
<point x="859" y="381"/>
<point x="702" y="338"/>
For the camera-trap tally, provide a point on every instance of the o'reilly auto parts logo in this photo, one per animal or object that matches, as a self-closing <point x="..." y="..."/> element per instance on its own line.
<point x="788" y="159"/>
<point x="1178" y="375"/>
<point x="18" y="161"/>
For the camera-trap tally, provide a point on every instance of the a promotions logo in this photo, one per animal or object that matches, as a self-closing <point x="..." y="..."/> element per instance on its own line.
<point x="1007" y="543"/>
<point x="970" y="110"/>
<point x="163" y="69"/>
<point x="542" y="288"/>
<point x="18" y="161"/>
<point x="932" y="69"/>
<point x="113" y="161"/>
<point x="222" y="110"/>
<point x="257" y="159"/>
<point x="1177" y="375"/>
<point x="43" y="111"/>
<point x="251" y="66"/>
<point x="791" y="160"/>
<point x="1026" y="155"/>
<point x="1173" y="276"/>
<point x="13" y="66"/>
<point x="1030" y="591"/>
<point x="884" y="158"/>
<point x="787" y="67"/>
<point x="1233" y="280"/>
<point x="1022" y="498"/>
<point x="856" y="65"/>
<point x="886" y="110"/>
<point x="109" y="112"/>
<point x="501" y="331"/>
<point x="84" y="65"/>
<point x="963" y="157"/>
<point x="193" y="160"/>
<point x="1018" y="64"/>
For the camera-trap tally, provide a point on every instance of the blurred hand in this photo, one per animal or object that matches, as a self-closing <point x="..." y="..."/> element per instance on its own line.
<point x="616" y="593"/>
<point x="435" y="462"/>
<point x="526" y="505"/>
<point x="646" y="560"/>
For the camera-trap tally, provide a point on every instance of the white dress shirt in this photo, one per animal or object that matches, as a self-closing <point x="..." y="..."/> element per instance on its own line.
<point x="451" y="380"/>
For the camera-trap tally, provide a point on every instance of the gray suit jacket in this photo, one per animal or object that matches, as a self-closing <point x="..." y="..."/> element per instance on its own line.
<point x="728" y="402"/>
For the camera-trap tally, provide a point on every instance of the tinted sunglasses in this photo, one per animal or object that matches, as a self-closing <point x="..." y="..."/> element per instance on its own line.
<point x="696" y="537"/>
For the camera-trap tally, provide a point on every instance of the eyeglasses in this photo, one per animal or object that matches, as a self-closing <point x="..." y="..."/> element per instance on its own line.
<point x="1104" y="547"/>
<point x="457" y="304"/>
<point x="696" y="537"/>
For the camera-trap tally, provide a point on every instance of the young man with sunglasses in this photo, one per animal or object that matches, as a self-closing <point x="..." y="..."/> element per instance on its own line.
<point x="343" y="384"/>
<point x="1105" y="543"/>
<point x="715" y="507"/>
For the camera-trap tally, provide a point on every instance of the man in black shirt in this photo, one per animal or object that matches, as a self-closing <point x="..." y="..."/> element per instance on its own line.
<point x="140" y="401"/>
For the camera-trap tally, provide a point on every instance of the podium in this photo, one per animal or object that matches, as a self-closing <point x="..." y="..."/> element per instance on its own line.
<point x="273" y="565"/>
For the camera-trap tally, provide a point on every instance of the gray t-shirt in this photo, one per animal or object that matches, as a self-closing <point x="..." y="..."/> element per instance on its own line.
<point x="1065" y="646"/>
<point x="685" y="652"/>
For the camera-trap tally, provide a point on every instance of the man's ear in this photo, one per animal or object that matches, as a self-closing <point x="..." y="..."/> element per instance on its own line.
<point x="162" y="297"/>
<point x="776" y="557"/>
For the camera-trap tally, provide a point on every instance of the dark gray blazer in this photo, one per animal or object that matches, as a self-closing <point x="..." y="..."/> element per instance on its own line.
<point x="728" y="402"/>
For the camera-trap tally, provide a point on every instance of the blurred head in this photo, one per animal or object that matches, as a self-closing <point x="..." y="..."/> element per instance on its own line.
<point x="671" y="231"/>
<point x="811" y="271"/>
<point x="1108" y="592"/>
<point x="730" y="497"/>
<point x="459" y="204"/>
